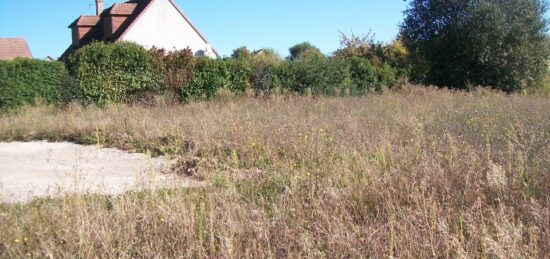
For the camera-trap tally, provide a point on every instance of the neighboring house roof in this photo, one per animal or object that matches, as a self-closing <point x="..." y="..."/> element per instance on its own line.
<point x="11" y="48"/>
<point x="132" y="9"/>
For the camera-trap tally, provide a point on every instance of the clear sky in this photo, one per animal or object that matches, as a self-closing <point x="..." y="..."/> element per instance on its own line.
<point x="228" y="24"/>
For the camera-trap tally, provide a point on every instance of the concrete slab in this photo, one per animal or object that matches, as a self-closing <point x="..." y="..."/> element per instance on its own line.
<point x="40" y="169"/>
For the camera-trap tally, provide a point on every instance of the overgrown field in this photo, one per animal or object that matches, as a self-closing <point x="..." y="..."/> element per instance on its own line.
<point x="418" y="173"/>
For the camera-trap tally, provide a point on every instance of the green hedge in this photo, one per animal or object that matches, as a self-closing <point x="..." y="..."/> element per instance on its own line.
<point x="120" y="72"/>
<point x="25" y="80"/>
<point x="367" y="77"/>
<point x="213" y="74"/>
<point x="334" y="76"/>
<point x="321" y="75"/>
<point x="111" y="73"/>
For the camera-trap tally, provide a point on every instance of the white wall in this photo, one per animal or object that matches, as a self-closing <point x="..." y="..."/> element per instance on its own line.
<point x="162" y="26"/>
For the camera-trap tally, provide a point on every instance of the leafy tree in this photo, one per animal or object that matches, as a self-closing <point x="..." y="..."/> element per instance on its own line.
<point x="498" y="43"/>
<point x="362" y="46"/>
<point x="397" y="56"/>
<point x="241" y="53"/>
<point x="269" y="56"/>
<point x="304" y="49"/>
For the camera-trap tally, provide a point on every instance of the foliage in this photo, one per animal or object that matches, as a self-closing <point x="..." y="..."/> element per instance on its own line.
<point x="266" y="56"/>
<point x="175" y="67"/>
<point x="304" y="50"/>
<point x="362" y="46"/>
<point x="397" y="56"/>
<point x="502" y="44"/>
<point x="263" y="76"/>
<point x="367" y="77"/>
<point x="117" y="72"/>
<point x="70" y="90"/>
<point x="320" y="74"/>
<point x="24" y="80"/>
<point x="212" y="74"/>
<point x="241" y="53"/>
<point x="380" y="55"/>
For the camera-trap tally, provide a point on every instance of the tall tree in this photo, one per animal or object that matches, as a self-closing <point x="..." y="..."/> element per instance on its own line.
<point x="304" y="49"/>
<point x="498" y="43"/>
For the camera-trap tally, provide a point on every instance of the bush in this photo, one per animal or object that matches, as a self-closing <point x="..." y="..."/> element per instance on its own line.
<point x="321" y="75"/>
<point x="212" y="74"/>
<point x="69" y="90"/>
<point x="263" y="76"/>
<point x="367" y="77"/>
<point x="24" y="80"/>
<point x="117" y="72"/>
<point x="174" y="67"/>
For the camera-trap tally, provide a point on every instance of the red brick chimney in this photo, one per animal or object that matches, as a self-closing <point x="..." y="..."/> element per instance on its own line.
<point x="98" y="7"/>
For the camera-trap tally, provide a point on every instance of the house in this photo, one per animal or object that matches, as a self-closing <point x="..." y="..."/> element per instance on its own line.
<point x="150" y="23"/>
<point x="11" y="48"/>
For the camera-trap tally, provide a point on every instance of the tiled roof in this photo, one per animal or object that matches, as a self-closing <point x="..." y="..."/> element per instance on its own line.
<point x="123" y="9"/>
<point x="132" y="9"/>
<point x="87" y="20"/>
<point x="14" y="48"/>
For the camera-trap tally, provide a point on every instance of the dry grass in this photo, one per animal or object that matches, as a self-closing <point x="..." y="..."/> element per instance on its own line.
<point x="420" y="173"/>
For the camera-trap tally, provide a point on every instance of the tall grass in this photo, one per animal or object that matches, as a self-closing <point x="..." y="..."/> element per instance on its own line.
<point x="419" y="173"/>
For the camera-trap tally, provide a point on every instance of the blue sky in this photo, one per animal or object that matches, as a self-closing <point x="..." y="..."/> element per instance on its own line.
<point x="228" y="24"/>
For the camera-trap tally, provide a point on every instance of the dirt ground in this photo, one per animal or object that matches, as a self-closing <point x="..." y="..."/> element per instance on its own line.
<point x="40" y="169"/>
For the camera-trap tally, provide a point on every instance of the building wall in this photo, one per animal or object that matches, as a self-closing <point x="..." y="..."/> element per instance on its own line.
<point x="162" y="26"/>
<point x="112" y="24"/>
<point x="79" y="33"/>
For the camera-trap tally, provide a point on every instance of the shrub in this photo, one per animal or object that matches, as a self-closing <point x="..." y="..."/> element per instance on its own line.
<point x="212" y="74"/>
<point x="69" y="90"/>
<point x="117" y="72"/>
<point x="333" y="76"/>
<point x="24" y="80"/>
<point x="174" y="67"/>
<point x="263" y="76"/>
<point x="367" y="77"/>
<point x="321" y="75"/>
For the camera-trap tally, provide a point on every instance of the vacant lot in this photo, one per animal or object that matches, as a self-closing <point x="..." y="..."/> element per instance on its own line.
<point x="420" y="173"/>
